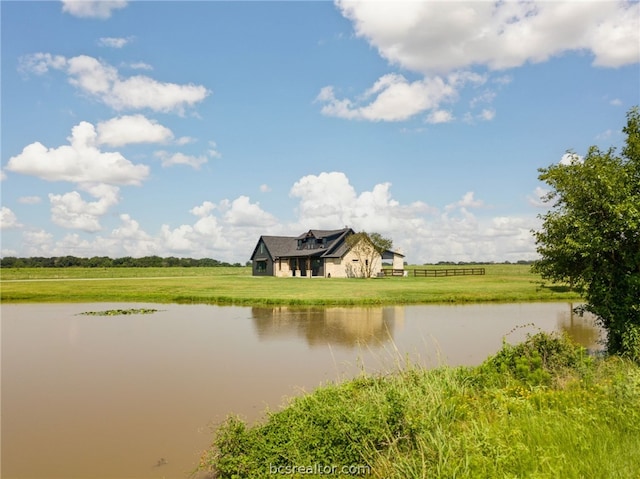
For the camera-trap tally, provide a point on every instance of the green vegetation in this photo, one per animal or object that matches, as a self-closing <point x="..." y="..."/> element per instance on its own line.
<point x="591" y="237"/>
<point x="367" y="247"/>
<point x="235" y="285"/>
<point x="106" y="262"/>
<point x="120" y="312"/>
<point x="540" y="409"/>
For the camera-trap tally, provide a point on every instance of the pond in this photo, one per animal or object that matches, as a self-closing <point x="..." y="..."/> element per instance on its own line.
<point x="136" y="396"/>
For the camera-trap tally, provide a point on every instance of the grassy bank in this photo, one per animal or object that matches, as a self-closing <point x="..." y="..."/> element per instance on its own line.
<point x="541" y="409"/>
<point x="507" y="283"/>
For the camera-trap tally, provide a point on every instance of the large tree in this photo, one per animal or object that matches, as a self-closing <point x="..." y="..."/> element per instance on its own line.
<point x="368" y="249"/>
<point x="590" y="237"/>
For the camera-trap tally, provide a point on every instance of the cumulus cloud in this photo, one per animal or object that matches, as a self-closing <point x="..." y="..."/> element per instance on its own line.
<point x="130" y="129"/>
<point x="81" y="162"/>
<point x="203" y="210"/>
<point x="329" y="201"/>
<point x="140" y="66"/>
<point x="8" y="219"/>
<point x="467" y="201"/>
<point x="172" y="159"/>
<point x="424" y="232"/>
<point x="102" y="81"/>
<point x="113" y="42"/>
<point x="228" y="229"/>
<point x="391" y="98"/>
<point x="100" y="9"/>
<point x="571" y="158"/>
<point x="444" y="41"/>
<point x="440" y="116"/>
<point x="78" y="162"/>
<point x="439" y="37"/>
<point x="71" y="211"/>
<point x="241" y="212"/>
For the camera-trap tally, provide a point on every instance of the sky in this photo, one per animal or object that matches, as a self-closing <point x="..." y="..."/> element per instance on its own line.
<point x="189" y="129"/>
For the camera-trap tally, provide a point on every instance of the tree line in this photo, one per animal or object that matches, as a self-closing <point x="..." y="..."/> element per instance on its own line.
<point x="107" y="262"/>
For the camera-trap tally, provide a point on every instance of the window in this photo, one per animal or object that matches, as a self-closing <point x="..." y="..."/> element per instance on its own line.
<point x="261" y="266"/>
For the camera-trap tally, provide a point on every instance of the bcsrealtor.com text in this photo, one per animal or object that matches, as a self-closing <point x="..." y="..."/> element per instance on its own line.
<point x="320" y="470"/>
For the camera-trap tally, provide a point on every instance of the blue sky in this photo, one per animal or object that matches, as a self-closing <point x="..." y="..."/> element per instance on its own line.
<point x="191" y="128"/>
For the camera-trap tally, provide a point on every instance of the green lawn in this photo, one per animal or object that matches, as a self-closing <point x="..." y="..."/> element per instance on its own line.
<point x="507" y="283"/>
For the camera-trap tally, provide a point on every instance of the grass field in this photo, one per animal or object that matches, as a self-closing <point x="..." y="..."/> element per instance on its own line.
<point x="220" y="285"/>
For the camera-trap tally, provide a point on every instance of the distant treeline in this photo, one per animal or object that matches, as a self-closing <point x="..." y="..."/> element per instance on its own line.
<point x="460" y="263"/>
<point x="106" y="262"/>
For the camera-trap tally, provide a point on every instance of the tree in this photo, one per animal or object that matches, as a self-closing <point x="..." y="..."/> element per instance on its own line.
<point x="591" y="236"/>
<point x="367" y="248"/>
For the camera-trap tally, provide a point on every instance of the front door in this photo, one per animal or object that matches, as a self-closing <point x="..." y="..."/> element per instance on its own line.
<point x="316" y="267"/>
<point x="302" y="263"/>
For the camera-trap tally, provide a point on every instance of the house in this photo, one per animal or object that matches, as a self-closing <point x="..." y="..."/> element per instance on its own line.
<point x="319" y="253"/>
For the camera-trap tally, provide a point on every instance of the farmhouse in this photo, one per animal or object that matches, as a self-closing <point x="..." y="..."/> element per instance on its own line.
<point x="319" y="253"/>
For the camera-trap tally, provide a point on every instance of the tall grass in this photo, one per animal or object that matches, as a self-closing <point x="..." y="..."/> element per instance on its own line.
<point x="543" y="409"/>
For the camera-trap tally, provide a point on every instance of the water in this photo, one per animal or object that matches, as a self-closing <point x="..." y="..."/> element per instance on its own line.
<point x="136" y="396"/>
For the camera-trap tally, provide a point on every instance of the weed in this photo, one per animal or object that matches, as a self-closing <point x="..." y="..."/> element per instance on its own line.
<point x="542" y="408"/>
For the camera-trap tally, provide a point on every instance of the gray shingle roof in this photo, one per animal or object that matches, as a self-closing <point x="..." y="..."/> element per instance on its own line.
<point x="287" y="246"/>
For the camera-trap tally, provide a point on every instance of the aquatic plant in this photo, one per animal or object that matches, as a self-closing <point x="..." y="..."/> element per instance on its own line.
<point x="120" y="312"/>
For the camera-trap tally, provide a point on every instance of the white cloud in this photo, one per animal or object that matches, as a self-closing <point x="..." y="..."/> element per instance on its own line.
<point x="140" y="66"/>
<point x="440" y="116"/>
<point x="213" y="150"/>
<point x="8" y="219"/>
<point x="29" y="200"/>
<point x="570" y="158"/>
<point x="172" y="159"/>
<point x="329" y="201"/>
<point x="616" y="102"/>
<point x="264" y="188"/>
<point x="203" y="210"/>
<point x="487" y="114"/>
<point x="129" y="229"/>
<point x="391" y="98"/>
<point x="424" y="232"/>
<point x="241" y="212"/>
<point x="92" y="8"/>
<point x="438" y="37"/>
<point x="537" y="198"/>
<point x="102" y="81"/>
<point x="445" y="40"/>
<point x="71" y="211"/>
<point x="228" y="229"/>
<point x="129" y="129"/>
<point x="113" y="42"/>
<point x="605" y="135"/>
<point x="468" y="201"/>
<point x="37" y="243"/>
<point x="78" y="162"/>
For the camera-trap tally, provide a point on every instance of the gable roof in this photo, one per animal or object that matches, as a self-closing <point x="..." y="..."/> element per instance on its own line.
<point x="287" y="246"/>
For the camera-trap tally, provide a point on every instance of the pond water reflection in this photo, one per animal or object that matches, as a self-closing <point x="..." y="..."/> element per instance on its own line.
<point x="134" y="396"/>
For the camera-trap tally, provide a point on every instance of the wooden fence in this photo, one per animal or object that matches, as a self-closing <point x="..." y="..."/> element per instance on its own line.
<point x="434" y="273"/>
